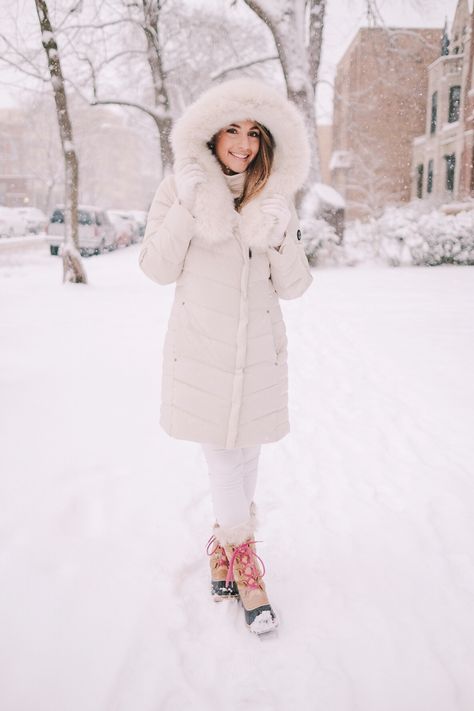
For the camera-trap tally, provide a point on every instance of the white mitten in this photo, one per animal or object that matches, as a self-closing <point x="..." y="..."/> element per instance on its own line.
<point x="188" y="176"/>
<point x="277" y="206"/>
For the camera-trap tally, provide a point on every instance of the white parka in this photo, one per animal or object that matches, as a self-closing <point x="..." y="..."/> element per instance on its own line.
<point x="225" y="378"/>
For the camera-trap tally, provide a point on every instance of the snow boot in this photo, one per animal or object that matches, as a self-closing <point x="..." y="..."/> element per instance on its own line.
<point x="244" y="569"/>
<point x="220" y="589"/>
<point x="219" y="564"/>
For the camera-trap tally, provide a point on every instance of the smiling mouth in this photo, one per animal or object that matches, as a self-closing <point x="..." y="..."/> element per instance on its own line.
<point x="240" y="157"/>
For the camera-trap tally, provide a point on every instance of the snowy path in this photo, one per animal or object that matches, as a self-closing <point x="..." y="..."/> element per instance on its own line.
<point x="367" y="507"/>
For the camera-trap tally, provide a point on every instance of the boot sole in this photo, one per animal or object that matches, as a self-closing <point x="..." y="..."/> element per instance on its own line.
<point x="261" y="620"/>
<point x="219" y="598"/>
<point x="220" y="591"/>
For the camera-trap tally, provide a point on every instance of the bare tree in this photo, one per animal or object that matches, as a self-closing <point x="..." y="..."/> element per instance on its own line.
<point x="73" y="270"/>
<point x="144" y="15"/>
<point x="164" y="58"/>
<point x="297" y="27"/>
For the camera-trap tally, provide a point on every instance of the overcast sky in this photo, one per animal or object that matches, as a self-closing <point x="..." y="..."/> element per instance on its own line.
<point x="342" y="20"/>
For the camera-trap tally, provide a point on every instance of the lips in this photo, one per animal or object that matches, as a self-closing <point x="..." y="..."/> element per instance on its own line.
<point x="240" y="157"/>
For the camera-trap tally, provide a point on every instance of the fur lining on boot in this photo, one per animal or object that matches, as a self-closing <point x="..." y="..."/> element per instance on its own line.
<point x="237" y="534"/>
<point x="234" y="535"/>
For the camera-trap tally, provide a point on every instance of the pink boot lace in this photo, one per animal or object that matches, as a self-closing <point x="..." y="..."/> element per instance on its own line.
<point x="218" y="549"/>
<point x="250" y="571"/>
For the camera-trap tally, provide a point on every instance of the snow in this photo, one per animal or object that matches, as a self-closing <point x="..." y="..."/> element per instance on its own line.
<point x="27" y="241"/>
<point x="453" y="208"/>
<point x="453" y="126"/>
<point x="340" y="159"/>
<point x="47" y="36"/>
<point x="409" y="234"/>
<point x="367" y="507"/>
<point x="325" y="195"/>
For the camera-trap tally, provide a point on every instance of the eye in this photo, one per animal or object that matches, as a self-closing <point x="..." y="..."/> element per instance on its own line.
<point x="231" y="130"/>
<point x="254" y="134"/>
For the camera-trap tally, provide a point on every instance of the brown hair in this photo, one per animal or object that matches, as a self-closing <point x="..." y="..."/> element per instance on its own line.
<point x="259" y="169"/>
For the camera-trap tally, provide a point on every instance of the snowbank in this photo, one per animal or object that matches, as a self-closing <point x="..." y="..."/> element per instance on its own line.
<point x="407" y="235"/>
<point x="366" y="508"/>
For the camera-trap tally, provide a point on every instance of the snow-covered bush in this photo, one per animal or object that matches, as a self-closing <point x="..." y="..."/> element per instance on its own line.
<point x="413" y="234"/>
<point x="322" y="212"/>
<point x="321" y="243"/>
<point x="409" y="234"/>
<point x="397" y="233"/>
<point x="445" y="239"/>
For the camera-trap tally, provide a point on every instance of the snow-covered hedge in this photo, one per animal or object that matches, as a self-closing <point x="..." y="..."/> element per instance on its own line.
<point x="402" y="235"/>
<point x="321" y="243"/>
<point x="427" y="238"/>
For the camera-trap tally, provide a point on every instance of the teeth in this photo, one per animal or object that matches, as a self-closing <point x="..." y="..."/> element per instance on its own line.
<point x="237" y="156"/>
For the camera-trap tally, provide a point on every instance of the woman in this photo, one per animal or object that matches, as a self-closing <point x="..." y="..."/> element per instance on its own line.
<point x="224" y="228"/>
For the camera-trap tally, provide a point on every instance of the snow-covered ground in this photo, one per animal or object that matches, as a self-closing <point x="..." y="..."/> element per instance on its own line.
<point x="367" y="507"/>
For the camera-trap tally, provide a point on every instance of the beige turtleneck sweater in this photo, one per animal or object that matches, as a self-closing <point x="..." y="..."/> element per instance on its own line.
<point x="236" y="183"/>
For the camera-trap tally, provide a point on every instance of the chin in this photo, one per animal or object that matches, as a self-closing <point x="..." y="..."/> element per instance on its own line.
<point x="238" y="168"/>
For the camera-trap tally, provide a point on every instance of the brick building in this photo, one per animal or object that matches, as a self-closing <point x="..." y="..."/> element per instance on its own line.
<point x="443" y="154"/>
<point x="379" y="107"/>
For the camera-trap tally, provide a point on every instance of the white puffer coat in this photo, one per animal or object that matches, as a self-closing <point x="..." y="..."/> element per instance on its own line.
<point x="225" y="358"/>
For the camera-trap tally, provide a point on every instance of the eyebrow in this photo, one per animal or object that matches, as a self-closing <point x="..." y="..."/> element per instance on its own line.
<point x="236" y="125"/>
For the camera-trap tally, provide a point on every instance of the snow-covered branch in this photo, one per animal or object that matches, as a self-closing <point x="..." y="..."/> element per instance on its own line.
<point x="244" y="65"/>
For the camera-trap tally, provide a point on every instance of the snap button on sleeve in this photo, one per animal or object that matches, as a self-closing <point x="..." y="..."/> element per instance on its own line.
<point x="298" y="234"/>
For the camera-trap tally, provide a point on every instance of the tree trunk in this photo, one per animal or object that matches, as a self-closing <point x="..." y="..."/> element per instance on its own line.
<point x="290" y="25"/>
<point x="151" y="12"/>
<point x="73" y="270"/>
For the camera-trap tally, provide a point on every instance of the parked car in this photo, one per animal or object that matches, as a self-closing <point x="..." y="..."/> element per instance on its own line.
<point x="11" y="224"/>
<point x="36" y="220"/>
<point x="129" y="216"/>
<point x="123" y="229"/>
<point x="96" y="232"/>
<point x="140" y="217"/>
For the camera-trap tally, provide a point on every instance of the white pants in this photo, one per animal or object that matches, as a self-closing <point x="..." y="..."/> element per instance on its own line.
<point x="233" y="478"/>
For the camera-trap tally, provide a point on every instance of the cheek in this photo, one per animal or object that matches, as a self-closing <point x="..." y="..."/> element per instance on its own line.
<point x="222" y="145"/>
<point x="255" y="147"/>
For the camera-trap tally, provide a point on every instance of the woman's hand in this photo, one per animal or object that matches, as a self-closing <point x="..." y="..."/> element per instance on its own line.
<point x="277" y="206"/>
<point x="188" y="176"/>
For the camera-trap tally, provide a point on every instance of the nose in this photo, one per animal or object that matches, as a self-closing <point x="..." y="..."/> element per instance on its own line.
<point x="244" y="142"/>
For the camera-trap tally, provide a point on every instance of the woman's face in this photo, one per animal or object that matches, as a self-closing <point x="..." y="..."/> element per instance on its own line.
<point x="237" y="145"/>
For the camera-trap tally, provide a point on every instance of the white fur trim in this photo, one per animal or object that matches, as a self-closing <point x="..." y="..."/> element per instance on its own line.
<point x="235" y="100"/>
<point x="233" y="535"/>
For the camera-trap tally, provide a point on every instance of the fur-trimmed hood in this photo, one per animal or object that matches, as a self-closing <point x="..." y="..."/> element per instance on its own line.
<point x="240" y="99"/>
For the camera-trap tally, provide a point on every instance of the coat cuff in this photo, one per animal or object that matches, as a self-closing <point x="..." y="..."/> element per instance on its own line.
<point x="289" y="266"/>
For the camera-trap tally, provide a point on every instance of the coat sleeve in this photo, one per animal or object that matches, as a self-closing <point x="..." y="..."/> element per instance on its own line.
<point x="167" y="236"/>
<point x="289" y="269"/>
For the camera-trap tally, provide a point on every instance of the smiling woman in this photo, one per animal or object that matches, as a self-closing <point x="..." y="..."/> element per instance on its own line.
<point x="225" y="229"/>
<point x="245" y="147"/>
<point x="237" y="146"/>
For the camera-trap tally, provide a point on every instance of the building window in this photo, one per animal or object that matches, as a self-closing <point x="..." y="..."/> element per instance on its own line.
<point x="434" y="111"/>
<point x="454" y="103"/>
<point x="419" y="181"/>
<point x="429" y="180"/>
<point x="450" y="168"/>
